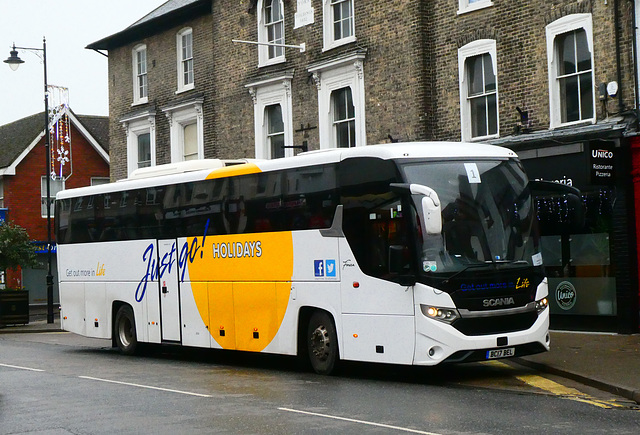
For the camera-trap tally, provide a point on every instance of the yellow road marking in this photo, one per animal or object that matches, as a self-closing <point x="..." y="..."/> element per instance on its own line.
<point x="559" y="390"/>
<point x="565" y="392"/>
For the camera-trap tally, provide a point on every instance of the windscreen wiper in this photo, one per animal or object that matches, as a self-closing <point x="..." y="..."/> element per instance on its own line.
<point x="470" y="266"/>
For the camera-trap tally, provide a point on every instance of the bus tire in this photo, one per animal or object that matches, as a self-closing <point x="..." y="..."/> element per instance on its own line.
<point x="322" y="343"/>
<point x="125" y="331"/>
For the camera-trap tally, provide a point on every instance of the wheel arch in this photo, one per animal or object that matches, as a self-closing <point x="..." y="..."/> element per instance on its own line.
<point x="304" y="316"/>
<point x="115" y="306"/>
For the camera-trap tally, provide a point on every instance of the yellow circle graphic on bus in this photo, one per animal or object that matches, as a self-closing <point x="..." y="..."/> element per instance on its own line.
<point x="241" y="285"/>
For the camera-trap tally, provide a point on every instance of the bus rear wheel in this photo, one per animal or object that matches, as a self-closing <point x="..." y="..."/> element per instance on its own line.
<point x="125" y="330"/>
<point x="322" y="343"/>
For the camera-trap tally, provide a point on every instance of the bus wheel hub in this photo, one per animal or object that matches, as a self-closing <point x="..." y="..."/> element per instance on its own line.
<point x="320" y="343"/>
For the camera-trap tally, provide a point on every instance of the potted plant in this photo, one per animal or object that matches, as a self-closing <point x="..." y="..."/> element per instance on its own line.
<point x="16" y="250"/>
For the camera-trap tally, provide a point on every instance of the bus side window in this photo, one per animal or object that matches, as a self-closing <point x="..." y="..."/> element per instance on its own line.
<point x="375" y="223"/>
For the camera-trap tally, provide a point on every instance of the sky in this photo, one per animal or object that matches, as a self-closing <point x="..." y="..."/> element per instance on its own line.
<point x="68" y="26"/>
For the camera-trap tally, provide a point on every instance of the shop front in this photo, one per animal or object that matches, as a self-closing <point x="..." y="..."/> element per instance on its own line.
<point x="588" y="238"/>
<point x="35" y="279"/>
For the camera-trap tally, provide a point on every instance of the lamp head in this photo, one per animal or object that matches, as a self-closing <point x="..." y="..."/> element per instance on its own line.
<point x="13" y="60"/>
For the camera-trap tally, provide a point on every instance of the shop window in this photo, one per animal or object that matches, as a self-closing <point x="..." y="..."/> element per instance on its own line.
<point x="577" y="254"/>
<point x="570" y="64"/>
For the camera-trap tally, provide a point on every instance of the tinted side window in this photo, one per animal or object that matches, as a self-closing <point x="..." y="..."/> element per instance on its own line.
<point x="376" y="221"/>
<point x="295" y="199"/>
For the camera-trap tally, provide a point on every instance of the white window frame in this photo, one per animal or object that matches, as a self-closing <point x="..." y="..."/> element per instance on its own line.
<point x="266" y="93"/>
<point x="99" y="181"/>
<point x="329" y="41"/>
<point x="465" y="6"/>
<point x="347" y="71"/>
<point x="52" y="197"/>
<point x="336" y="123"/>
<point x="263" y="36"/>
<point x="137" y="99"/>
<point x="136" y="125"/>
<point x="179" y="116"/>
<point x="475" y="48"/>
<point x="563" y="25"/>
<point x="1" y="192"/>
<point x="182" y="85"/>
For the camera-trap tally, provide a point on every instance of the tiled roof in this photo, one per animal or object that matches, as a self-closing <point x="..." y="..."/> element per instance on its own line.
<point x="164" y="16"/>
<point x="16" y="136"/>
<point x="163" y="9"/>
<point x="98" y="127"/>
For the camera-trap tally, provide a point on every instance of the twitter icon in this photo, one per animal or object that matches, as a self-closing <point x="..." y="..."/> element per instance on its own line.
<point x="330" y="268"/>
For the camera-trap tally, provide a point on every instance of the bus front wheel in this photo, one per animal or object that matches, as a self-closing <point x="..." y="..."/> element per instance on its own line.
<point x="125" y="330"/>
<point x="322" y="343"/>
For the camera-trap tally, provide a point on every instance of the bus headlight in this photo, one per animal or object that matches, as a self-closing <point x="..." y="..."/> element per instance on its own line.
<point x="446" y="315"/>
<point x="541" y="305"/>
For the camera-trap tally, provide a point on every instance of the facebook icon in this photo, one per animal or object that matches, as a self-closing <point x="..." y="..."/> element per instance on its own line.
<point x="318" y="267"/>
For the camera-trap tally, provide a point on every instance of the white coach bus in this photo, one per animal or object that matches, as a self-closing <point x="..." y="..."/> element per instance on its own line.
<point x="416" y="253"/>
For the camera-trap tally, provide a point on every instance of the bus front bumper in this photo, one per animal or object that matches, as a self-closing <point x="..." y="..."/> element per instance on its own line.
<point x="438" y="342"/>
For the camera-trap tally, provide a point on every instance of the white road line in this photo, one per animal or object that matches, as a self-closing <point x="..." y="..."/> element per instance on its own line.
<point x="145" y="386"/>
<point x="21" y="368"/>
<point x="351" y="420"/>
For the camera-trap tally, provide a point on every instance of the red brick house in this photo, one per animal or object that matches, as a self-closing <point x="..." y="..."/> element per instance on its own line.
<point x="23" y="182"/>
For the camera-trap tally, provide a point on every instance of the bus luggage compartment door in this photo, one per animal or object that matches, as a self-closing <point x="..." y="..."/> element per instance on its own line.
<point x="169" y="290"/>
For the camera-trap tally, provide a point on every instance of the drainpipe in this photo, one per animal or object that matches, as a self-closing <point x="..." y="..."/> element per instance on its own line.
<point x="616" y="19"/>
<point x="636" y="83"/>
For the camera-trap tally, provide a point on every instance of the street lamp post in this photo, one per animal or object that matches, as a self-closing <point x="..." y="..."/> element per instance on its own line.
<point x="14" y="62"/>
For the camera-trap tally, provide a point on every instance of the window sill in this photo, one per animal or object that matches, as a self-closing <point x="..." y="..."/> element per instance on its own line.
<point x="274" y="61"/>
<point x="140" y="102"/>
<point x="339" y="43"/>
<point x="559" y="126"/>
<point x="482" y="138"/>
<point x="185" y="89"/>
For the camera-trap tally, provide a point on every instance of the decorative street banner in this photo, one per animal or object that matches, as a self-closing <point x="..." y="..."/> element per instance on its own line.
<point x="601" y="163"/>
<point x="59" y="132"/>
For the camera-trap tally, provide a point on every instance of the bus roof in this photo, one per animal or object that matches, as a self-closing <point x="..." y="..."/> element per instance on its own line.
<point x="409" y="150"/>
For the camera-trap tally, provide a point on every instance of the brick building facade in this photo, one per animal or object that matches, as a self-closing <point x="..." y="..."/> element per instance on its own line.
<point x="22" y="175"/>
<point x="554" y="80"/>
<point x="390" y="56"/>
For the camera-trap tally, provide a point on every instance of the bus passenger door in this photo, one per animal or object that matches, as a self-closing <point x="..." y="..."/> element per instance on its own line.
<point x="169" y="290"/>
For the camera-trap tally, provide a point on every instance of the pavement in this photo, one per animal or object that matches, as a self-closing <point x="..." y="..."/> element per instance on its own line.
<point x="606" y="361"/>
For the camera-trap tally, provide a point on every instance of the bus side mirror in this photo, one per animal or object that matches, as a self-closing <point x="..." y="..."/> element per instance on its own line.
<point x="432" y="216"/>
<point x="431" y="208"/>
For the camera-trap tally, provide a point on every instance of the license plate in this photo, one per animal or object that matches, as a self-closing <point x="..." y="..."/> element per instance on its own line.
<point x="501" y="353"/>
